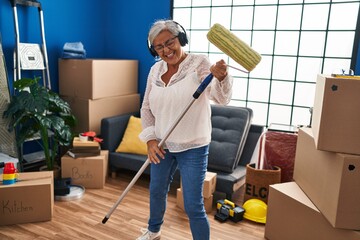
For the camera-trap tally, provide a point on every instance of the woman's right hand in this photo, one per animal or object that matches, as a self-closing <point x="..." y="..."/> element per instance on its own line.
<point x="154" y="152"/>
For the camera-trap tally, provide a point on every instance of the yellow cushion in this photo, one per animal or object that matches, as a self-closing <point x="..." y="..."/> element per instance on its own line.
<point x="131" y="142"/>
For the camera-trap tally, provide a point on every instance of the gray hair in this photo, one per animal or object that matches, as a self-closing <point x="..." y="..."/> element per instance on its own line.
<point x="163" y="25"/>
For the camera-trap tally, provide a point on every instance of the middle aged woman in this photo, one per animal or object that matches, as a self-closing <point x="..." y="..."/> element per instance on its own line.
<point x="171" y="83"/>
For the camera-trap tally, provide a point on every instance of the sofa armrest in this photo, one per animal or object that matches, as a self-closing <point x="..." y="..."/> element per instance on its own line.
<point x="112" y="130"/>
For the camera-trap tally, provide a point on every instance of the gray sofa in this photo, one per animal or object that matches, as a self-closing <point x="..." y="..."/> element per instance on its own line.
<point x="233" y="141"/>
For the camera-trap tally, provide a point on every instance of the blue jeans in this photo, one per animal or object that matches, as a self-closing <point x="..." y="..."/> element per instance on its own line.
<point x="192" y="165"/>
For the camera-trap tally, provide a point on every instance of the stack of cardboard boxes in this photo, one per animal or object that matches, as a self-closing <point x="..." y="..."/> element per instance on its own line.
<point x="98" y="88"/>
<point x="323" y="201"/>
<point x="209" y="189"/>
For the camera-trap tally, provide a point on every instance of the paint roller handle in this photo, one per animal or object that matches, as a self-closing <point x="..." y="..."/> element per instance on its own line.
<point x="203" y="85"/>
<point x="198" y="92"/>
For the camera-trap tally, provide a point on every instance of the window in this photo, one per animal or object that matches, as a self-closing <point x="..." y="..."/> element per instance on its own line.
<point x="298" y="39"/>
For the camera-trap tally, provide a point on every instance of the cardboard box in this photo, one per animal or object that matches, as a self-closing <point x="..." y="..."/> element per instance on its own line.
<point x="97" y="78"/>
<point x="209" y="184"/>
<point x="208" y="202"/>
<point x="292" y="215"/>
<point x="336" y="114"/>
<point x="89" y="113"/>
<point x="31" y="199"/>
<point x="89" y="172"/>
<point x="331" y="180"/>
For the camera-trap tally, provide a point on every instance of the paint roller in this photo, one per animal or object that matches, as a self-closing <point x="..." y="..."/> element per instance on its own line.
<point x="239" y="51"/>
<point x="234" y="47"/>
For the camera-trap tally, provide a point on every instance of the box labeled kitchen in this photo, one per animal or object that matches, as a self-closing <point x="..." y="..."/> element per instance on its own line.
<point x="29" y="199"/>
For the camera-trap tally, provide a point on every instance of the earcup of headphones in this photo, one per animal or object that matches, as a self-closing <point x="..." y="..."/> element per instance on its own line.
<point x="182" y="35"/>
<point x="182" y="38"/>
<point x="152" y="51"/>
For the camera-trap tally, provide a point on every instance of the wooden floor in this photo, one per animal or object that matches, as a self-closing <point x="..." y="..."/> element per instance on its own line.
<point x="82" y="218"/>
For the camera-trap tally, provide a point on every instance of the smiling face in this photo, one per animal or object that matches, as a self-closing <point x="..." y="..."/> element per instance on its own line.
<point x="168" y="48"/>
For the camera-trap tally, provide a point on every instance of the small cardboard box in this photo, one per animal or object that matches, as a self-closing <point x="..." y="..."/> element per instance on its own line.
<point x="89" y="172"/>
<point x="208" y="202"/>
<point x="331" y="180"/>
<point x="30" y="199"/>
<point x="209" y="184"/>
<point x="97" y="78"/>
<point x="292" y="215"/>
<point x="336" y="115"/>
<point x="89" y="113"/>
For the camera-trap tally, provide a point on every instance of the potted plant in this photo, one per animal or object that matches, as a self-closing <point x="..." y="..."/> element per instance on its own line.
<point x="36" y="111"/>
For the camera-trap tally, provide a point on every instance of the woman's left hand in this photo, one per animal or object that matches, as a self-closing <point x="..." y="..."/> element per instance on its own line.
<point x="219" y="70"/>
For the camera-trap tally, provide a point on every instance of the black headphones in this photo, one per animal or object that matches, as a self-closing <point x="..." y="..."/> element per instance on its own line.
<point x="181" y="36"/>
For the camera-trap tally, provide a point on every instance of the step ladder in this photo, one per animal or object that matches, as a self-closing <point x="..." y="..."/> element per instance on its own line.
<point x="30" y="56"/>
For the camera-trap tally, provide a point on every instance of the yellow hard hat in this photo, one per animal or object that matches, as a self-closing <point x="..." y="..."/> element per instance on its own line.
<point x="255" y="210"/>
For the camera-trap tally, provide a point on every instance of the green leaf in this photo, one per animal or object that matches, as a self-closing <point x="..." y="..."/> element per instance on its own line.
<point x="35" y="110"/>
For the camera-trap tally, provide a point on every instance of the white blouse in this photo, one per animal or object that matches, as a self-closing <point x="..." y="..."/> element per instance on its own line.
<point x="163" y="104"/>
